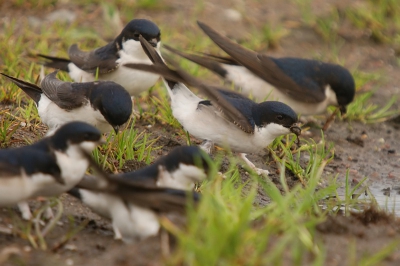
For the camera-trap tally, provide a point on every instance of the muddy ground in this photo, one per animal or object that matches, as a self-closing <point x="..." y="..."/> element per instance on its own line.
<point x="371" y="151"/>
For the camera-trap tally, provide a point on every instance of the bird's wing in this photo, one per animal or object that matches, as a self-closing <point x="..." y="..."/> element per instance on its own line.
<point x="157" y="199"/>
<point x="233" y="115"/>
<point x="103" y="59"/>
<point x="30" y="161"/>
<point x="66" y="95"/>
<point x="55" y="62"/>
<point x="264" y="67"/>
<point x="208" y="61"/>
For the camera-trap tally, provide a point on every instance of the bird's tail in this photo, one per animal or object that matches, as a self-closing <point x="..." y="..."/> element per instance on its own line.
<point x="31" y="89"/>
<point x="173" y="80"/>
<point x="55" y="62"/>
<point x="157" y="199"/>
<point x="211" y="62"/>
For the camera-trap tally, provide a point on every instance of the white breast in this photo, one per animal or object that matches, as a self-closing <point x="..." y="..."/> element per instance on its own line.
<point x="72" y="165"/>
<point x="184" y="177"/>
<point x="134" y="81"/>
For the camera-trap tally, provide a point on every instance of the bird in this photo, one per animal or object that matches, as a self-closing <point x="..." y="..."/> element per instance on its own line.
<point x="48" y="167"/>
<point x="307" y="86"/>
<point x="228" y="118"/>
<point x="133" y="205"/>
<point x="104" y="63"/>
<point x="102" y="104"/>
<point x="181" y="169"/>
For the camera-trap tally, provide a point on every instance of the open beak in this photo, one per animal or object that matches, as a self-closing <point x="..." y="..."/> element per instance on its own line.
<point x="295" y="129"/>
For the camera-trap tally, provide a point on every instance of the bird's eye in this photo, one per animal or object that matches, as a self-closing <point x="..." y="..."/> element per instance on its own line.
<point x="280" y="117"/>
<point x="136" y="35"/>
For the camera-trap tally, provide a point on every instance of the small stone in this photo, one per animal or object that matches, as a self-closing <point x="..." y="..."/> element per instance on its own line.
<point x="27" y="249"/>
<point x="70" y="247"/>
<point x="232" y="15"/>
<point x="69" y="262"/>
<point x="61" y="15"/>
<point x="381" y="140"/>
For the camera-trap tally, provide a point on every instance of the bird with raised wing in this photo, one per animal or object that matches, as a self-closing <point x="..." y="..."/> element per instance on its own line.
<point x="104" y="63"/>
<point x="307" y="86"/>
<point x="228" y="118"/>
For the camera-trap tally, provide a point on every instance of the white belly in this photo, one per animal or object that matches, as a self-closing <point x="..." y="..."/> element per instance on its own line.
<point x="252" y="85"/>
<point x="72" y="169"/>
<point x="53" y="116"/>
<point x="20" y="188"/>
<point x="208" y="124"/>
<point x="134" y="81"/>
<point x="133" y="222"/>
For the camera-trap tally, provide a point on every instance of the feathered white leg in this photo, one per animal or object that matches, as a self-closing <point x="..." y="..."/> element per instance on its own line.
<point x="252" y="166"/>
<point x="207" y="146"/>
<point x="25" y="211"/>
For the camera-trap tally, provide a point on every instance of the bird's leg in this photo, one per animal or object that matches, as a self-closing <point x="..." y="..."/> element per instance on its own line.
<point x="117" y="233"/>
<point x="49" y="213"/>
<point x="252" y="166"/>
<point x="207" y="146"/>
<point x="25" y="211"/>
<point x="330" y="120"/>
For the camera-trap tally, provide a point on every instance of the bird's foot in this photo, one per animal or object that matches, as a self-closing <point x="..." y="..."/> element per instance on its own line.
<point x="25" y="211"/>
<point x="48" y="213"/>
<point x="207" y="146"/>
<point x="117" y="233"/>
<point x="259" y="171"/>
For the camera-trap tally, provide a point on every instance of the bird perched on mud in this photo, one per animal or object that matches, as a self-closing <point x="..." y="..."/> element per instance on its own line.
<point x="228" y="119"/>
<point x="133" y="200"/>
<point x="102" y="104"/>
<point x="48" y="167"/>
<point x="307" y="86"/>
<point x="104" y="63"/>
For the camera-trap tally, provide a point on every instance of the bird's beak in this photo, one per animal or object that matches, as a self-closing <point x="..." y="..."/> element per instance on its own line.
<point x="153" y="42"/>
<point x="295" y="129"/>
<point x="342" y="109"/>
<point x="116" y="129"/>
<point x="102" y="141"/>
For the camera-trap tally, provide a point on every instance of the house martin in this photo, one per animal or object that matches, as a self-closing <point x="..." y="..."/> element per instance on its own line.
<point x="48" y="167"/>
<point x="181" y="169"/>
<point x="307" y="86"/>
<point x="228" y="118"/>
<point x="133" y="205"/>
<point x="102" y="104"/>
<point x="104" y="63"/>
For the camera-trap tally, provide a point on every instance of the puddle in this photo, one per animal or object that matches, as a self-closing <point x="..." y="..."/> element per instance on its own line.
<point x="386" y="196"/>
